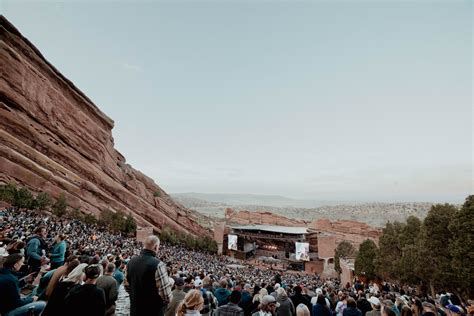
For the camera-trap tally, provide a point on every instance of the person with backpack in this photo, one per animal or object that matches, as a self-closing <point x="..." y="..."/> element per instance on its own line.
<point x="36" y="248"/>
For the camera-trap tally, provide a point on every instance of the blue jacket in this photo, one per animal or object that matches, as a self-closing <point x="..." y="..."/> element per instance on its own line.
<point x="10" y="292"/>
<point x="58" y="251"/>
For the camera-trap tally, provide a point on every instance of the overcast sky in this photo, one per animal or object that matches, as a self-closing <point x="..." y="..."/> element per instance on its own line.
<point x="327" y="100"/>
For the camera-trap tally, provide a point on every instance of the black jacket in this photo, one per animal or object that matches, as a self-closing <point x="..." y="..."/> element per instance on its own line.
<point x="351" y="311"/>
<point x="364" y="305"/>
<point x="55" y="306"/>
<point x="298" y="299"/>
<point x="85" y="299"/>
<point x="144" y="297"/>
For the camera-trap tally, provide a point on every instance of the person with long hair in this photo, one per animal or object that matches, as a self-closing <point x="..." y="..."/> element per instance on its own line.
<point x="191" y="305"/>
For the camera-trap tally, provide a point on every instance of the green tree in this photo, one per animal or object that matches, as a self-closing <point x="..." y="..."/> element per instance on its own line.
<point x="408" y="242"/>
<point x="23" y="199"/>
<point x="118" y="221"/>
<point x="130" y="226"/>
<point x="343" y="250"/>
<point x="460" y="247"/>
<point x="390" y="250"/>
<point x="106" y="217"/>
<point x="43" y="201"/>
<point x="434" y="259"/>
<point x="8" y="192"/>
<point x="90" y="219"/>
<point x="365" y="259"/>
<point x="60" y="206"/>
<point x="76" y="214"/>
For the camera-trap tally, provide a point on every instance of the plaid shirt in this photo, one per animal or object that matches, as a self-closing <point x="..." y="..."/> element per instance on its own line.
<point x="230" y="309"/>
<point x="163" y="282"/>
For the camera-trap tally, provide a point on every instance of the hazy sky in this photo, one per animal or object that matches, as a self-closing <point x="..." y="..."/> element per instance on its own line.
<point x="353" y="100"/>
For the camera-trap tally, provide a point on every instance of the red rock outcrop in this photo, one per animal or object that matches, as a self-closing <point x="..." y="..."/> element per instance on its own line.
<point x="353" y="231"/>
<point x="53" y="138"/>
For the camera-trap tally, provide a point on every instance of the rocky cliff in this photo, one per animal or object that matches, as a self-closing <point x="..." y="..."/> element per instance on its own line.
<point x="53" y="138"/>
<point x="353" y="231"/>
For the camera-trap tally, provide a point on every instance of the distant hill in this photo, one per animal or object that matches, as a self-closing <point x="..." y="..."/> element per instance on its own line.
<point x="375" y="214"/>
<point x="251" y="199"/>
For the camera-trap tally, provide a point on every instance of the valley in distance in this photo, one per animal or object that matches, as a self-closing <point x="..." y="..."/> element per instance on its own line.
<point x="373" y="213"/>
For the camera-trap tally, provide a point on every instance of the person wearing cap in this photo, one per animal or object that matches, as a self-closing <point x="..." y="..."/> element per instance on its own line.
<point x="376" y="305"/>
<point x="107" y="283"/>
<point x="267" y="307"/>
<point x="177" y="296"/>
<point x="86" y="299"/>
<point x="11" y="302"/>
<point x="232" y="308"/>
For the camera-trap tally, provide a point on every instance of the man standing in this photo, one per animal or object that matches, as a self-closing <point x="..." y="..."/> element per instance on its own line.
<point x="149" y="285"/>
<point x="107" y="283"/>
<point x="36" y="249"/>
<point x="232" y="308"/>
<point x="177" y="297"/>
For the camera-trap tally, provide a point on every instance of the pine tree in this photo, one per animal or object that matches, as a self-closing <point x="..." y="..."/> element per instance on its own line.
<point x="390" y="250"/>
<point x="43" y="201"/>
<point x="365" y="260"/>
<point x="8" y="192"/>
<point x="433" y="258"/>
<point x="460" y="247"/>
<point x="59" y="208"/>
<point x="23" y="199"/>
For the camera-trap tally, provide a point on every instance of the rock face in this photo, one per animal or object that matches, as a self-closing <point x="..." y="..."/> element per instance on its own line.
<point x="54" y="139"/>
<point x="352" y="231"/>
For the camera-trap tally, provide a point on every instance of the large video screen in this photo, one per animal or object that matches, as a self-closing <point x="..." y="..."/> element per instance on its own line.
<point x="232" y="243"/>
<point x="302" y="251"/>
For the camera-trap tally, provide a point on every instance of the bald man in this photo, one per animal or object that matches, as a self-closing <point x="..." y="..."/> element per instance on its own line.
<point x="149" y="285"/>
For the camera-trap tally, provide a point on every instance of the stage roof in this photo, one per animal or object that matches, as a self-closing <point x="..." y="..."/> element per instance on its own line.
<point x="275" y="229"/>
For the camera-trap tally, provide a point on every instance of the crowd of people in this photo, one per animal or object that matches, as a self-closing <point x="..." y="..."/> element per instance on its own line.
<point x="52" y="266"/>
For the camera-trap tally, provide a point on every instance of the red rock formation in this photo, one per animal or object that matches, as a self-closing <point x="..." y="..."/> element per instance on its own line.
<point x="353" y="231"/>
<point x="55" y="139"/>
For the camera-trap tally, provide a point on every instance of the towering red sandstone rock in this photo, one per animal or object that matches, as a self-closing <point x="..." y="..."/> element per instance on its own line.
<point x="55" y="139"/>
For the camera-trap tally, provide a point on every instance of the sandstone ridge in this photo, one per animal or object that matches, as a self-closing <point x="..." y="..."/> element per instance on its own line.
<point x="353" y="231"/>
<point x="53" y="138"/>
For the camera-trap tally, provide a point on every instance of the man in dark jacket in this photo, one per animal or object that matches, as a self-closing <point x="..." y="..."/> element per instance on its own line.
<point x="351" y="309"/>
<point x="149" y="285"/>
<point x="86" y="299"/>
<point x="298" y="298"/>
<point x="363" y="304"/>
<point x="10" y="291"/>
<point x="36" y="249"/>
